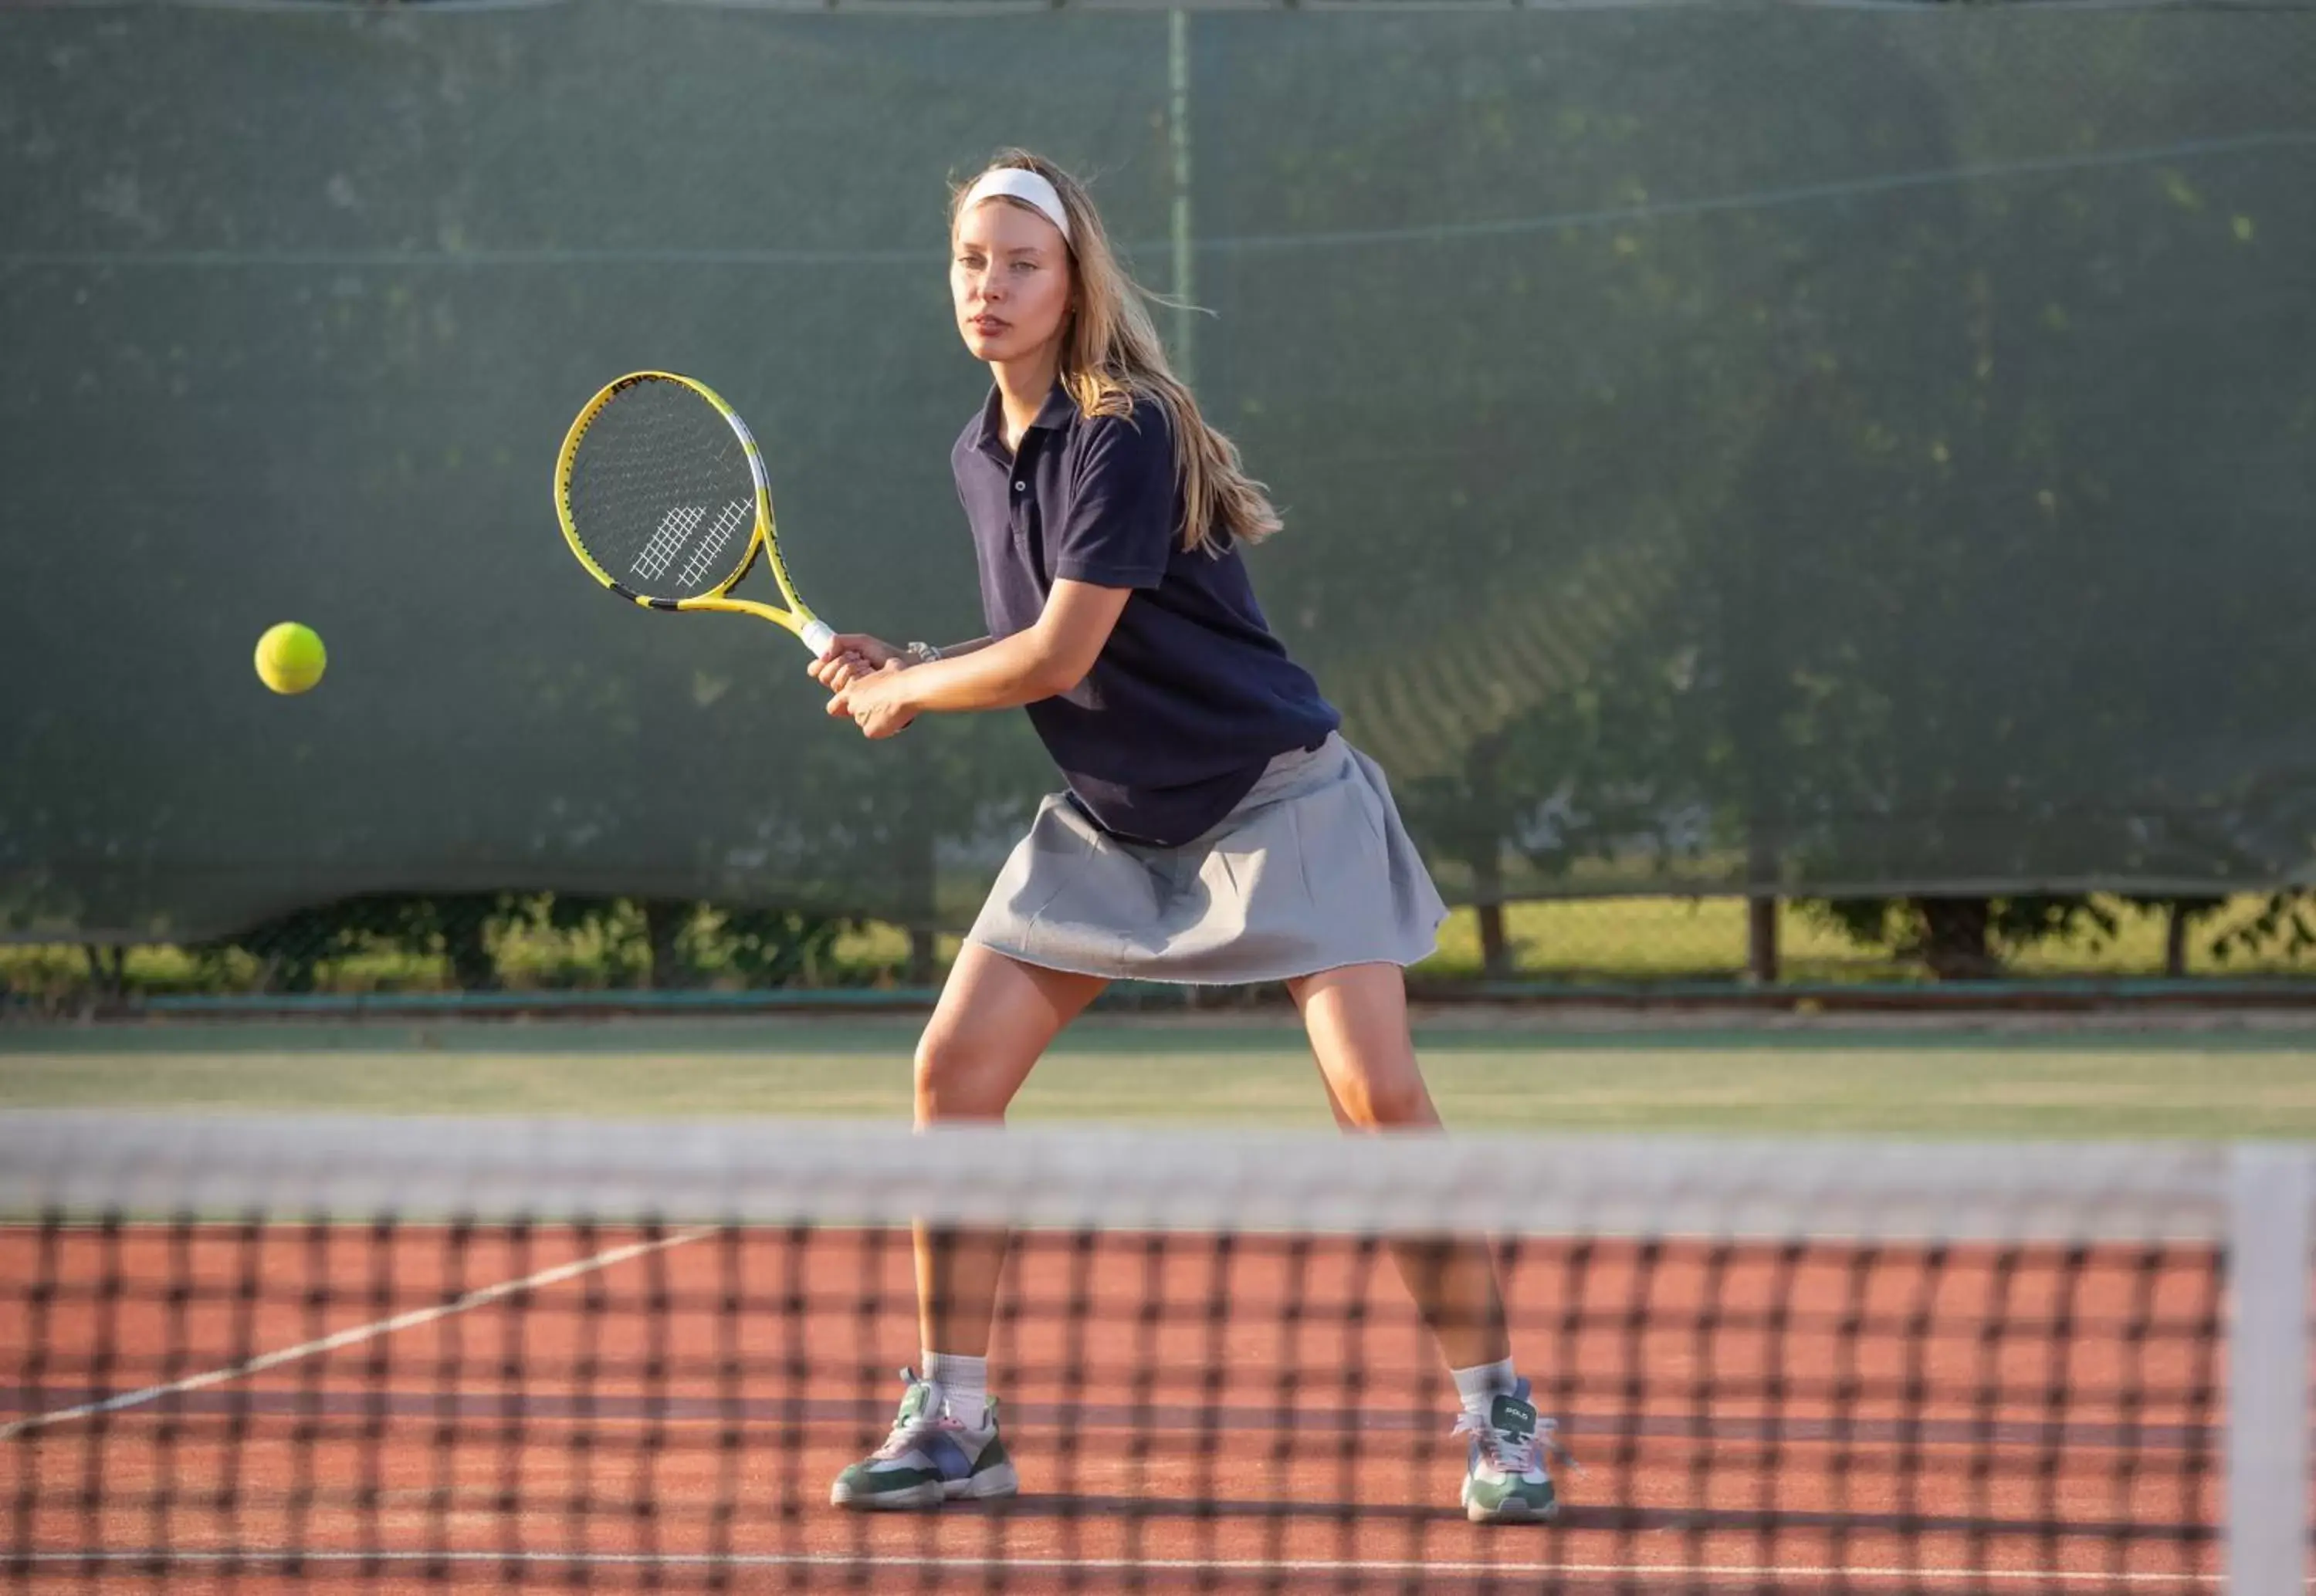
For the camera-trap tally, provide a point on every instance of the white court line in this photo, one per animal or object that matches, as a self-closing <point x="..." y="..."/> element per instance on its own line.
<point x="478" y="1298"/>
<point x="1305" y="1566"/>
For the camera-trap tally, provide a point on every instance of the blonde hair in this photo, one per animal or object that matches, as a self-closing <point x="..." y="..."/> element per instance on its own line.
<point x="1111" y="356"/>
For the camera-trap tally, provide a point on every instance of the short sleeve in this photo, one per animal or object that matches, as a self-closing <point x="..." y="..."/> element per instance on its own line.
<point x="1119" y="531"/>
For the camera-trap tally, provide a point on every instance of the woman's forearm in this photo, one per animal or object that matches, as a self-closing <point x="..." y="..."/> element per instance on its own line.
<point x="988" y="673"/>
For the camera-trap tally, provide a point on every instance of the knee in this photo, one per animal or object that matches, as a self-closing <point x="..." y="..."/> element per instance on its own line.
<point x="1386" y="1099"/>
<point x="955" y="1082"/>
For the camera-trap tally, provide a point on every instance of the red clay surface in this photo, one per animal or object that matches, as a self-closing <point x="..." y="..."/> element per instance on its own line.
<point x="1749" y="1419"/>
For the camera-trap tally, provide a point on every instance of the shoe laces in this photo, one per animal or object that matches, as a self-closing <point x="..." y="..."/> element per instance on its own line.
<point x="910" y="1428"/>
<point x="1514" y="1453"/>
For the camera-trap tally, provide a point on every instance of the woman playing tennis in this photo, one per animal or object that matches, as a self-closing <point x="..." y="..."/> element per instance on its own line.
<point x="1215" y="828"/>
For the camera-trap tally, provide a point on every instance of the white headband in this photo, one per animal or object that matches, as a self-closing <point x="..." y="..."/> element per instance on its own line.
<point x="1019" y="183"/>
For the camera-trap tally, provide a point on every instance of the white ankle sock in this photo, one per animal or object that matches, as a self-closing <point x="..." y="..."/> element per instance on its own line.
<point x="964" y="1382"/>
<point x="1480" y="1385"/>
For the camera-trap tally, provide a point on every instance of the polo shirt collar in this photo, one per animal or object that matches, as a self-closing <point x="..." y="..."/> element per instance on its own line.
<point x="1052" y="417"/>
<point x="1056" y="413"/>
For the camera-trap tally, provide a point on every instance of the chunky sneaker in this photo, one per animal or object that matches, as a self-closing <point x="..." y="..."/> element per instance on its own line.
<point x="1506" y="1479"/>
<point x="929" y="1457"/>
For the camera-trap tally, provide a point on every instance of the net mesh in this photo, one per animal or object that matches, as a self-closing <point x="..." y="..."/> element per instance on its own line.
<point x="336" y="1350"/>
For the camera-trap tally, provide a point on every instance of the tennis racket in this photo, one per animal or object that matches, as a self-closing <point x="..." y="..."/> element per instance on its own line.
<point x="662" y="496"/>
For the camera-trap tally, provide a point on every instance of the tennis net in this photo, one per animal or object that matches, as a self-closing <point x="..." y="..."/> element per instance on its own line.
<point x="268" y="1350"/>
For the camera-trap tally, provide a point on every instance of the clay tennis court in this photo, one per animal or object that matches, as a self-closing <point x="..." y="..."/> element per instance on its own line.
<point x="628" y="1407"/>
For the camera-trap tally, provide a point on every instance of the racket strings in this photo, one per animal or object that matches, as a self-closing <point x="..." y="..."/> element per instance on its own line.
<point x="661" y="493"/>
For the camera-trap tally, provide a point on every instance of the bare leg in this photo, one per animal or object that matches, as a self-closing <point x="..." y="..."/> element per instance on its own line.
<point x="995" y="1018"/>
<point x="1356" y="1020"/>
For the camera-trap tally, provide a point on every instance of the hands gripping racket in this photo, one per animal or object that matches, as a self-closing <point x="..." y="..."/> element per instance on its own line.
<point x="662" y="496"/>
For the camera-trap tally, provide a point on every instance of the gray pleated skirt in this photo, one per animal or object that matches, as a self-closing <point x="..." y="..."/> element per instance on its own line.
<point x="1311" y="871"/>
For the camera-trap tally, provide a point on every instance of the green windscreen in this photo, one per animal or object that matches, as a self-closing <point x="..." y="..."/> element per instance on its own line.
<point x="1827" y="449"/>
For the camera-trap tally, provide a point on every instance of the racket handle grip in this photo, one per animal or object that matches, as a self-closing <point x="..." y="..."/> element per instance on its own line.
<point x="817" y="635"/>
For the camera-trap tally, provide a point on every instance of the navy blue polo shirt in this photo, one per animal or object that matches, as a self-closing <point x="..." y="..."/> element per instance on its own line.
<point x="1192" y="696"/>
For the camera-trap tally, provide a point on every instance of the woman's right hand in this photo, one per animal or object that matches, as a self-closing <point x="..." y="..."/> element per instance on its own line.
<point x="850" y="656"/>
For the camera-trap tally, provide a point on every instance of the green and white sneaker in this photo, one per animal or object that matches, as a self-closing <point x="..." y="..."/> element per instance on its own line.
<point x="1506" y="1479"/>
<point x="929" y="1457"/>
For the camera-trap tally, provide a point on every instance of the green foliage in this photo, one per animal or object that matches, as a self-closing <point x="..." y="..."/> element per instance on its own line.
<point x="771" y="947"/>
<point x="290" y="948"/>
<point x="1966" y="937"/>
<point x="2283" y="922"/>
<point x="659" y="943"/>
<point x="1969" y="937"/>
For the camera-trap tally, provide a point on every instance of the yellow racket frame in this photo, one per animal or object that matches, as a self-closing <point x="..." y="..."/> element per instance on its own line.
<point x="799" y="618"/>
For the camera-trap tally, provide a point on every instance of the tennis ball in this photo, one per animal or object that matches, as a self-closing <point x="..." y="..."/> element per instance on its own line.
<point x="290" y="658"/>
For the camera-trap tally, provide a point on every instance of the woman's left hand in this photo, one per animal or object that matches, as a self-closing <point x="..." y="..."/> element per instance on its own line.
<point x="874" y="702"/>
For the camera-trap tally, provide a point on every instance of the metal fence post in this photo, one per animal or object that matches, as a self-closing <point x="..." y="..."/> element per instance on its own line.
<point x="2268" y="1371"/>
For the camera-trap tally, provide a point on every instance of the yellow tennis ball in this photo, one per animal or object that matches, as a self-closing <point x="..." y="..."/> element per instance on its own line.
<point x="290" y="658"/>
